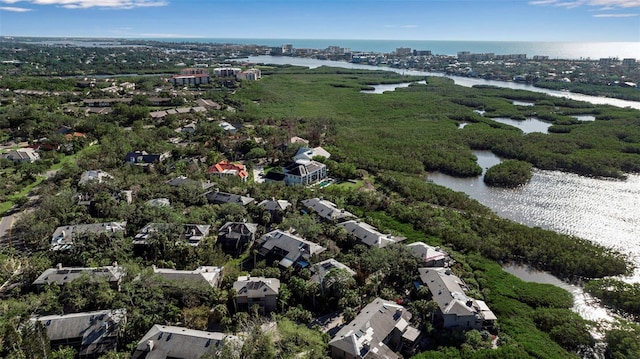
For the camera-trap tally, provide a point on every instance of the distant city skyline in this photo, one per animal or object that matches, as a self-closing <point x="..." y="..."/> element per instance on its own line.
<point x="463" y="20"/>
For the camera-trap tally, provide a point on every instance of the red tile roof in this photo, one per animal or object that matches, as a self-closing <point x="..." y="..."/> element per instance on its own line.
<point x="228" y="167"/>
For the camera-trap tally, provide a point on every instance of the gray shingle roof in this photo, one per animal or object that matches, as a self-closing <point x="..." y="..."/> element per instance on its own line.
<point x="369" y="235"/>
<point x="164" y="341"/>
<point x="99" y="330"/>
<point x="326" y="209"/>
<point x="218" y="197"/>
<point x="274" y="205"/>
<point x="367" y="331"/>
<point x="62" y="237"/>
<point x="239" y="228"/>
<point x="256" y="287"/>
<point x="294" y="247"/>
<point x="63" y="275"/>
<point x="427" y="253"/>
<point x="320" y="269"/>
<point x="206" y="275"/>
<point x="448" y="292"/>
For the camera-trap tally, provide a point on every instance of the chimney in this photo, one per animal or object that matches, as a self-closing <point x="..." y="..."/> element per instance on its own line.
<point x="59" y="266"/>
<point x="150" y="345"/>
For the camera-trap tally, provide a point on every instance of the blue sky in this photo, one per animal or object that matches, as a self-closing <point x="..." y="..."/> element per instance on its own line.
<point x="473" y="20"/>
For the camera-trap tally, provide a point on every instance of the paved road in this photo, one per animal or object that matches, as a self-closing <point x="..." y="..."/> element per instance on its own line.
<point x="5" y="229"/>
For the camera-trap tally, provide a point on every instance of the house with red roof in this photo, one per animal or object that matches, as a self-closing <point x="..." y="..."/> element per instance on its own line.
<point x="226" y="168"/>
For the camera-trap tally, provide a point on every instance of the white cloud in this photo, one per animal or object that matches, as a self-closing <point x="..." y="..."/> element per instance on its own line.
<point x="85" y="4"/>
<point x="610" y="4"/>
<point x="409" y="26"/>
<point x="14" y="9"/>
<point x="616" y="15"/>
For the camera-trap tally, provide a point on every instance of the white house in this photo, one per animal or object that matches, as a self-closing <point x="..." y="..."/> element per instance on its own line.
<point x="304" y="172"/>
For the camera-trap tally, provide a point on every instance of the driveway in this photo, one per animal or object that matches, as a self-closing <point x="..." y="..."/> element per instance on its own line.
<point x="258" y="174"/>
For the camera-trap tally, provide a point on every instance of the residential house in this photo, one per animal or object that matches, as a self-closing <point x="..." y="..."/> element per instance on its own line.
<point x="217" y="197"/>
<point x="249" y="75"/>
<point x="62" y="275"/>
<point x="91" y="334"/>
<point x="321" y="269"/>
<point x="171" y="342"/>
<point x="369" y="235"/>
<point x="234" y="237"/>
<point x="276" y="208"/>
<point x="456" y="309"/>
<point x="159" y="101"/>
<point x="208" y="104"/>
<point x="22" y="155"/>
<point x="326" y="209"/>
<point x="185" y="181"/>
<point x="62" y="238"/>
<point x="95" y="176"/>
<point x="228" y="169"/>
<point x="145" y="158"/>
<point x="105" y="102"/>
<point x="203" y="275"/>
<point x="288" y="249"/>
<point x="304" y="172"/>
<point x="191" y="234"/>
<point x="195" y="233"/>
<point x="432" y="256"/>
<point x="259" y="291"/>
<point x="380" y="330"/>
<point x="148" y="231"/>
<point x="188" y="128"/>
<point x="226" y="126"/>
<point x="306" y="153"/>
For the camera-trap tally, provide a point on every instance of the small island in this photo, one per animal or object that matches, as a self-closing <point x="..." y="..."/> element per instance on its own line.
<point x="510" y="173"/>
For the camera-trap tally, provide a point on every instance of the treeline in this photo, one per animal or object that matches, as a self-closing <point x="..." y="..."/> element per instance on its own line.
<point x="510" y="173"/>
<point x="613" y="90"/>
<point x="617" y="295"/>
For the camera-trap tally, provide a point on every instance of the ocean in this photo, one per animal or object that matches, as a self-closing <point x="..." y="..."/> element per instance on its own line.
<point x="554" y="50"/>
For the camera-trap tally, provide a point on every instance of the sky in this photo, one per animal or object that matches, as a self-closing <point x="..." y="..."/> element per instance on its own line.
<point x="463" y="20"/>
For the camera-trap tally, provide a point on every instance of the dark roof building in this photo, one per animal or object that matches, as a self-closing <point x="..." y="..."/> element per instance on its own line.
<point x="288" y="249"/>
<point x="63" y="275"/>
<point x="233" y="237"/>
<point x="145" y="158"/>
<point x="62" y="238"/>
<point x="90" y="333"/>
<point x="259" y="291"/>
<point x="170" y="342"/>
<point x="380" y="330"/>
<point x="276" y="208"/>
<point x="217" y="197"/>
